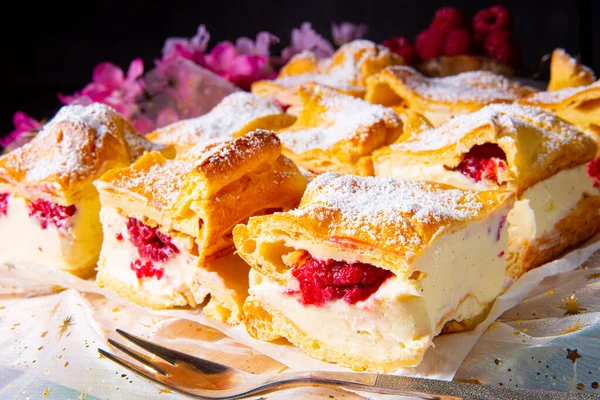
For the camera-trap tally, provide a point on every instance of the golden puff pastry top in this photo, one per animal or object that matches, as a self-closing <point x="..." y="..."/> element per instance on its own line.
<point x="567" y="72"/>
<point x="168" y="190"/>
<point x="472" y="90"/>
<point x="335" y="126"/>
<point x="346" y="70"/>
<point x="236" y="115"/>
<point x="537" y="143"/>
<point x="74" y="148"/>
<point x="392" y="221"/>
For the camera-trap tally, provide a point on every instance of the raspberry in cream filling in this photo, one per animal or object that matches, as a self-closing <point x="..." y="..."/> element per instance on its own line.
<point x="594" y="171"/>
<point x="322" y="281"/>
<point x="152" y="246"/>
<point x="3" y="203"/>
<point x="483" y="161"/>
<point x="47" y="212"/>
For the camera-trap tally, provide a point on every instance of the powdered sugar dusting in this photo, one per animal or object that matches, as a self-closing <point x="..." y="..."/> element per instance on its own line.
<point x="478" y="86"/>
<point x="505" y="119"/>
<point x="369" y="204"/>
<point x="557" y="96"/>
<point x="293" y="81"/>
<point x="345" y="118"/>
<point x="221" y="123"/>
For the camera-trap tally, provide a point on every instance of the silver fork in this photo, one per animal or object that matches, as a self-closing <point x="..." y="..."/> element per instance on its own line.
<point x="206" y="379"/>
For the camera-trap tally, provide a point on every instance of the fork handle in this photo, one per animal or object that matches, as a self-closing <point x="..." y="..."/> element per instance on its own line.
<point x="419" y="387"/>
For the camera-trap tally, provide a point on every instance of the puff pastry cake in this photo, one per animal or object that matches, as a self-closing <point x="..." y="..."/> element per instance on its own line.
<point x="335" y="132"/>
<point x="369" y="269"/>
<point x="236" y="115"/>
<point x="345" y="72"/>
<point x="567" y="72"/>
<point x="48" y="204"/>
<point x="441" y="98"/>
<point x="522" y="149"/>
<point x="578" y="105"/>
<point x="168" y="223"/>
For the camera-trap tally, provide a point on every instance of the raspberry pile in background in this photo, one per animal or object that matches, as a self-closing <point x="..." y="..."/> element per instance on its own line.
<point x="450" y="34"/>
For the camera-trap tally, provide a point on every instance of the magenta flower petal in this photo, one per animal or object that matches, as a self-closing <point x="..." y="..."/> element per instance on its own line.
<point x="144" y="125"/>
<point x="109" y="75"/>
<point x="347" y="32"/>
<point x="166" y="117"/>
<point x="221" y="57"/>
<point x="23" y="124"/>
<point x="305" y="38"/>
<point x="136" y="69"/>
<point x="200" y="40"/>
<point x="244" y="45"/>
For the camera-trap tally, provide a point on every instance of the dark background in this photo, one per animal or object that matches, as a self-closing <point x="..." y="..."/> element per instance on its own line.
<point x="52" y="46"/>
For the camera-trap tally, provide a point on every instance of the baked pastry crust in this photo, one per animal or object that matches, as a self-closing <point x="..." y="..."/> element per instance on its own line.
<point x="345" y="72"/>
<point x="579" y="106"/>
<point x="440" y="98"/>
<point x="219" y="185"/>
<point x="236" y="115"/>
<point x="568" y="72"/>
<point x="74" y="148"/>
<point x="379" y="221"/>
<point x="338" y="133"/>
<point x="537" y="144"/>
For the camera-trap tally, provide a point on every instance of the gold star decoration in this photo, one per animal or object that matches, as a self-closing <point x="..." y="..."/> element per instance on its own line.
<point x="53" y="311"/>
<point x="593" y="276"/>
<point x="577" y="326"/>
<point x="573" y="355"/>
<point x="571" y="306"/>
<point x="62" y="329"/>
<point x="46" y="392"/>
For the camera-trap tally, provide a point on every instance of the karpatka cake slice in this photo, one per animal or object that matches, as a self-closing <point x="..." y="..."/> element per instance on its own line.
<point x="368" y="270"/>
<point x="523" y="149"/>
<point x="168" y="223"/>
<point x="48" y="204"/>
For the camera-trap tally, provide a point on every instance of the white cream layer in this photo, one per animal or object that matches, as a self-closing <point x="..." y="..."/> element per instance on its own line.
<point x="75" y="246"/>
<point x="461" y="273"/>
<point x="116" y="257"/>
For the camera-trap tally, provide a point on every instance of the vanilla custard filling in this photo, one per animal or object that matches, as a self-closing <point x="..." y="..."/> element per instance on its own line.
<point x="74" y="246"/>
<point x="546" y="203"/>
<point x="117" y="254"/>
<point x="461" y="273"/>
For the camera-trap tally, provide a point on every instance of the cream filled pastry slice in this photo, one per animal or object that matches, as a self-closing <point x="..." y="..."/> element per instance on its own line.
<point x="168" y="223"/>
<point x="523" y="149"/>
<point x="236" y="115"/>
<point x="345" y="72"/>
<point x="338" y="133"/>
<point x="368" y="270"/>
<point x="441" y="98"/>
<point x="48" y="204"/>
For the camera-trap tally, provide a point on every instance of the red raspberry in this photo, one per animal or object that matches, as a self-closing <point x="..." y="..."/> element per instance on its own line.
<point x="493" y="18"/>
<point x="402" y="46"/>
<point x="501" y="46"/>
<point x="3" y="203"/>
<point x="483" y="161"/>
<point x="594" y="171"/>
<point x="429" y="44"/>
<point x="446" y="19"/>
<point x="459" y="41"/>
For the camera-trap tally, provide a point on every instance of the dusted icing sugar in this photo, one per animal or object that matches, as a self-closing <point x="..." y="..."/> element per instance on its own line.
<point x="221" y="123"/>
<point x="380" y="202"/>
<point x="345" y="118"/>
<point x="473" y="86"/>
<point x="557" y="96"/>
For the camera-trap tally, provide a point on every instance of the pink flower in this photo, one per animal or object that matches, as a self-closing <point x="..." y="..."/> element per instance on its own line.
<point x="347" y="32"/>
<point x="174" y="79"/>
<point x="166" y="117"/>
<point x="144" y="125"/>
<point x="23" y="124"/>
<point x="110" y="86"/>
<point x="264" y="40"/>
<point x="240" y="69"/>
<point x="306" y="38"/>
<point x="192" y="49"/>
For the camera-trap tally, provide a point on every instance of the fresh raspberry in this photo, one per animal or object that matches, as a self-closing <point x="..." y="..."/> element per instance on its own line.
<point x="322" y="281"/>
<point x="502" y="46"/>
<point x="279" y="104"/>
<point x="459" y="41"/>
<point x="150" y="243"/>
<point x="490" y="19"/>
<point x="429" y="44"/>
<point x="402" y="46"/>
<point x="3" y="203"/>
<point x="48" y="212"/>
<point x="594" y="171"/>
<point x="145" y="269"/>
<point x="446" y="19"/>
<point x="483" y="161"/>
